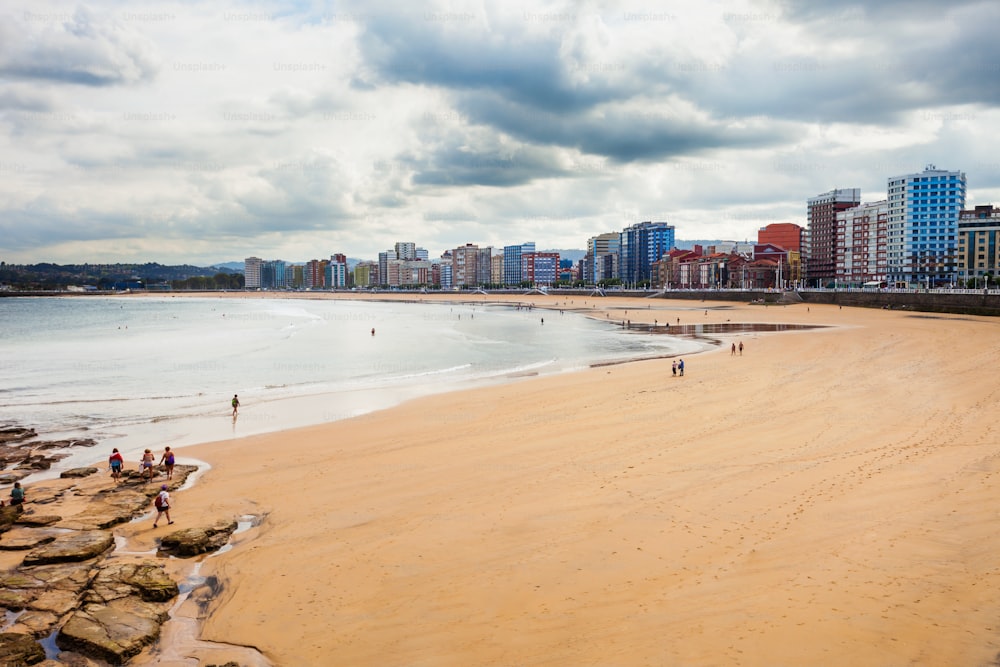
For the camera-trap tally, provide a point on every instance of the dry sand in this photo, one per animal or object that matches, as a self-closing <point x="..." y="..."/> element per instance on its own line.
<point x="830" y="497"/>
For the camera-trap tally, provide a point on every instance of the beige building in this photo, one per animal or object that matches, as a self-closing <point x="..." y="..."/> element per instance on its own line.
<point x="496" y="269"/>
<point x="978" y="248"/>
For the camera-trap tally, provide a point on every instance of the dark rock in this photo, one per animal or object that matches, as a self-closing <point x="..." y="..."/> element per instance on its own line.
<point x="12" y="476"/>
<point x="60" y="444"/>
<point x="78" y="472"/>
<point x="17" y="649"/>
<point x="114" y="632"/>
<point x="35" y="462"/>
<point x="119" y="579"/>
<point x="16" y="434"/>
<point x="193" y="541"/>
<point x="71" y="547"/>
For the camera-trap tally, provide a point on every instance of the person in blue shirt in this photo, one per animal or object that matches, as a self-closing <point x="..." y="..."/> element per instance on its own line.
<point x="16" y="495"/>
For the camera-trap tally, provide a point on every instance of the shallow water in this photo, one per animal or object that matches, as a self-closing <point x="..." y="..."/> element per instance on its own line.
<point x="147" y="372"/>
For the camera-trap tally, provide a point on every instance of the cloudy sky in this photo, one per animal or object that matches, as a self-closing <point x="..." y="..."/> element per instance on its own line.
<point x="185" y="132"/>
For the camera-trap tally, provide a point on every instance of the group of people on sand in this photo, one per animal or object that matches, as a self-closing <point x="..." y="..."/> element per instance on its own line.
<point x="162" y="501"/>
<point x="116" y="462"/>
<point x="678" y="367"/>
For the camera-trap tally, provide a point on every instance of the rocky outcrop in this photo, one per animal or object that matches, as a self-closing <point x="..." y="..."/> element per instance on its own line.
<point x="16" y="434"/>
<point x="22" y="587"/>
<point x="22" y="539"/>
<point x="37" y="519"/>
<point x="77" y="472"/>
<point x="106" y="610"/>
<point x="107" y="510"/>
<point x="25" y="455"/>
<point x="122" y="611"/>
<point x="113" y="632"/>
<point x="193" y="541"/>
<point x="17" y="649"/>
<point x="71" y="547"/>
<point x="123" y="605"/>
<point x="146" y="580"/>
<point x="8" y="516"/>
<point x="61" y="444"/>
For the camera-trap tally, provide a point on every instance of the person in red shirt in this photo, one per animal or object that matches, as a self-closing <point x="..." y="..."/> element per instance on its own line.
<point x="116" y="462"/>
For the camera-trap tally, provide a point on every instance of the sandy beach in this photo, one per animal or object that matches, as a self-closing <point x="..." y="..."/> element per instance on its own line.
<point x="828" y="497"/>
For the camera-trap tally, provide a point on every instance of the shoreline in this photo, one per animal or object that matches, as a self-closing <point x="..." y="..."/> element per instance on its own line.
<point x="267" y="413"/>
<point x="585" y="516"/>
<point x="763" y="509"/>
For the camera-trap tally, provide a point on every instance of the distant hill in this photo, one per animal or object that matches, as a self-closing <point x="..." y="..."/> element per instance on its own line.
<point x="230" y="266"/>
<point x="103" y="276"/>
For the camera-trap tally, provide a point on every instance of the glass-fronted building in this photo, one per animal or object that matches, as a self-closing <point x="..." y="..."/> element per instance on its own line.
<point x="923" y="226"/>
<point x="641" y="245"/>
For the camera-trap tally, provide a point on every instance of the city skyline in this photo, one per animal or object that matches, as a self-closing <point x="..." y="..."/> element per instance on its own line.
<point x="177" y="133"/>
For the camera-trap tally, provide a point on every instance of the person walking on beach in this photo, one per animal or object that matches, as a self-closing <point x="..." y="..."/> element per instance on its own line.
<point x="236" y="404"/>
<point x="741" y="348"/>
<point x="147" y="465"/>
<point x="115" y="461"/>
<point x="673" y="367"/>
<point x="162" y="505"/>
<point x="680" y="367"/>
<point x="16" y="495"/>
<point x="733" y="352"/>
<point x="167" y="460"/>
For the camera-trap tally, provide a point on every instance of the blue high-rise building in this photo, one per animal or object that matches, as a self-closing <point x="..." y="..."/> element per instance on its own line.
<point x="923" y="226"/>
<point x="641" y="245"/>
<point x="512" y="262"/>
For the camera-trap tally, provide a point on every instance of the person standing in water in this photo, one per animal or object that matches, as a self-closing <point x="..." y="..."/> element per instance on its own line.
<point x="236" y="404"/>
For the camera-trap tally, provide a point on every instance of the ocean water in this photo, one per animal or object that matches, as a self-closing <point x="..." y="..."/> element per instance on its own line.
<point x="136" y="372"/>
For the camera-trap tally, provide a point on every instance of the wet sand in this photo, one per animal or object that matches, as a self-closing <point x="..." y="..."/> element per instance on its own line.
<point x="827" y="497"/>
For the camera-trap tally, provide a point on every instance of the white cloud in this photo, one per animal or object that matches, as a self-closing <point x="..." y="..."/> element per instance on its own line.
<point x="189" y="133"/>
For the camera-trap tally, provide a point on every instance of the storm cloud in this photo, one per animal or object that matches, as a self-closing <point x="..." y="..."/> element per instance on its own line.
<point x="186" y="134"/>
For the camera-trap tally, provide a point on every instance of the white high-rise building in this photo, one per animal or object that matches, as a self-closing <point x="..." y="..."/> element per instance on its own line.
<point x="861" y="244"/>
<point x="251" y="272"/>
